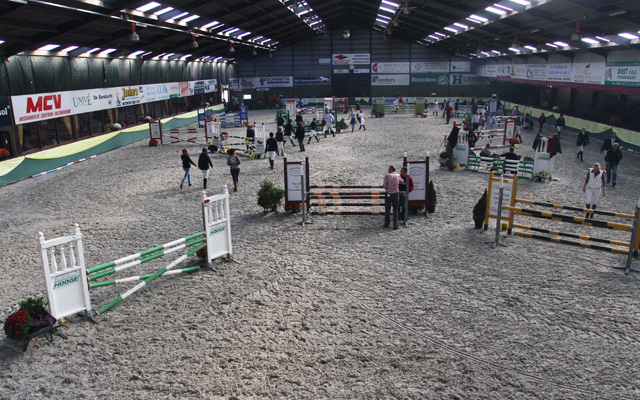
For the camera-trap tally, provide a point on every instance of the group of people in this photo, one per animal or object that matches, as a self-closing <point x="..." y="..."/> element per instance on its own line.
<point x="396" y="186"/>
<point x="204" y="163"/>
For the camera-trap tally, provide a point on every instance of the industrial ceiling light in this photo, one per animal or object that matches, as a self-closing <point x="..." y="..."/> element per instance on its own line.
<point x="133" y="36"/>
<point x="346" y="34"/>
<point x="231" y="49"/>
<point x="271" y="53"/>
<point x="194" y="44"/>
<point x="254" y="52"/>
<point x="406" y="10"/>
<point x="515" y="44"/>
<point x="577" y="35"/>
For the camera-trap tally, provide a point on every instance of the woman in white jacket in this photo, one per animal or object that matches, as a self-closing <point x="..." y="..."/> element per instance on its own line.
<point x="593" y="186"/>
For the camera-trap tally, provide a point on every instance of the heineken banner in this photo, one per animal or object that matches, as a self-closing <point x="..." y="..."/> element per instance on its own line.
<point x="429" y="79"/>
<point x="623" y="73"/>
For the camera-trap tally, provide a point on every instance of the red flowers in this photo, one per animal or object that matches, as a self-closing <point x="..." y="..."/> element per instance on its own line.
<point x="17" y="325"/>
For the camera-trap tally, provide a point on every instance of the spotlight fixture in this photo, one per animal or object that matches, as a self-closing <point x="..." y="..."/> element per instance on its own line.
<point x="231" y="49"/>
<point x="515" y="44"/>
<point x="270" y="53"/>
<point x="254" y="52"/>
<point x="346" y="34"/>
<point x="133" y="36"/>
<point x="194" y="44"/>
<point x="405" y="9"/>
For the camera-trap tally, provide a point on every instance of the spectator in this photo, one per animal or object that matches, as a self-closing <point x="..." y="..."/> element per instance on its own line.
<point x="593" y="186"/>
<point x="612" y="158"/>
<point x="583" y="140"/>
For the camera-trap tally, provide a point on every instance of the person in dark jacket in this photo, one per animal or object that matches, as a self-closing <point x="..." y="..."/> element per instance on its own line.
<point x="271" y="148"/>
<point x="511" y="155"/>
<point x="583" y="140"/>
<point x="313" y="127"/>
<point x="280" y="140"/>
<point x="300" y="135"/>
<point x="560" y="124"/>
<point x="280" y="121"/>
<point x="541" y="120"/>
<point x="612" y="158"/>
<point x="554" y="145"/>
<point x="250" y="137"/>
<point x="186" y="165"/>
<point x="402" y="188"/>
<point x="608" y="144"/>
<point x="288" y="132"/>
<point x="204" y="162"/>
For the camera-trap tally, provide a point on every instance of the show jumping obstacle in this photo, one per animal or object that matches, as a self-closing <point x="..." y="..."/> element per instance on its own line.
<point x="68" y="280"/>
<point x="551" y="235"/>
<point x="418" y="170"/>
<point x="181" y="135"/>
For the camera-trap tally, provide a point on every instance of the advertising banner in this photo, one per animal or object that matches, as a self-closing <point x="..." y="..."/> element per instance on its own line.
<point x="266" y="82"/>
<point x="519" y="71"/>
<point x="129" y="95"/>
<point x="160" y="91"/>
<point x="41" y="106"/>
<point x="537" y="72"/>
<point x="391" y="68"/>
<point x="390" y="80"/>
<point x="351" y="59"/>
<point x="589" y="73"/>
<point x="211" y="85"/>
<point x="503" y="70"/>
<point x="430" y="67"/>
<point x="341" y="71"/>
<point x="429" y="79"/>
<point x="491" y="70"/>
<point x="5" y="111"/>
<point x="559" y="72"/>
<point x="196" y="87"/>
<point x="623" y="73"/>
<point x="460" y="66"/>
<point x="183" y="89"/>
<point x="311" y="80"/>
<point x="83" y="101"/>
<point x="462" y="79"/>
<point x="234" y="83"/>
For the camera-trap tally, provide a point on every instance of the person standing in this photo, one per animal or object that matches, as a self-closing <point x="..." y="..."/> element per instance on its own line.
<point x="250" y="138"/>
<point x="288" y="132"/>
<point x="300" y="135"/>
<point x="475" y="121"/>
<point x="435" y="107"/>
<point x="313" y="127"/>
<point x="426" y="107"/>
<point x="608" y="144"/>
<point x="234" y="165"/>
<point x="519" y="127"/>
<point x="271" y="146"/>
<point x="328" y="119"/>
<point x="358" y="105"/>
<point x="583" y="140"/>
<point x="448" y="110"/>
<point x="593" y="186"/>
<point x="402" y="188"/>
<point x="280" y="121"/>
<point x="492" y="122"/>
<point x="391" y="183"/>
<point x="541" y="120"/>
<point x="362" y="118"/>
<point x="204" y="162"/>
<point x="612" y="158"/>
<point x="187" y="162"/>
<point x="560" y="124"/>
<point x="352" y="116"/>
<point x="280" y="140"/>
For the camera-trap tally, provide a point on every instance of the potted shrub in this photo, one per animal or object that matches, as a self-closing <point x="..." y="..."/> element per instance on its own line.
<point x="433" y="198"/>
<point x="4" y="154"/>
<point x="341" y="125"/>
<point x="541" y="176"/>
<point x="40" y="318"/>
<point x="153" y="142"/>
<point x="479" y="210"/>
<point x="269" y="196"/>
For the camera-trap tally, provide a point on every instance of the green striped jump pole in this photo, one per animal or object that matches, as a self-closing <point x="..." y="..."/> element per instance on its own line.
<point x="144" y="253"/>
<point x="579" y="244"/>
<point x="348" y="213"/>
<point x="148" y="280"/>
<point x="141" y="277"/>
<point x="347" y="204"/>
<point x="144" y="260"/>
<point x="570" y="219"/>
<point x="572" y="235"/>
<point x="583" y="210"/>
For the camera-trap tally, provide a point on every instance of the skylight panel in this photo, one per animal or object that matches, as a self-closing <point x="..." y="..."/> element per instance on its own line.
<point x="552" y="45"/>
<point x="191" y="18"/>
<point x="604" y="39"/>
<point x="49" y="47"/>
<point x="184" y="14"/>
<point x="107" y="51"/>
<point x="390" y="3"/>
<point x="628" y="35"/>
<point x="496" y="10"/>
<point x="522" y="2"/>
<point x="388" y="10"/>
<point x="447" y="28"/>
<point x="163" y="11"/>
<point x="561" y="44"/>
<point x="70" y="48"/>
<point x="479" y="18"/>
<point x="209" y="25"/>
<point x="148" y="6"/>
<point x="531" y="48"/>
<point x="459" y="25"/>
<point x="590" y="41"/>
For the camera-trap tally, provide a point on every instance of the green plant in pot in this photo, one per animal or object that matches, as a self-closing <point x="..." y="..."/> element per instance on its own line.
<point x="341" y="125"/>
<point x="433" y="198"/>
<point x="269" y="196"/>
<point x="479" y="211"/>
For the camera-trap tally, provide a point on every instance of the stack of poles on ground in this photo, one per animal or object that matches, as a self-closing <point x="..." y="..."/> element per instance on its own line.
<point x="630" y="248"/>
<point x="196" y="242"/>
